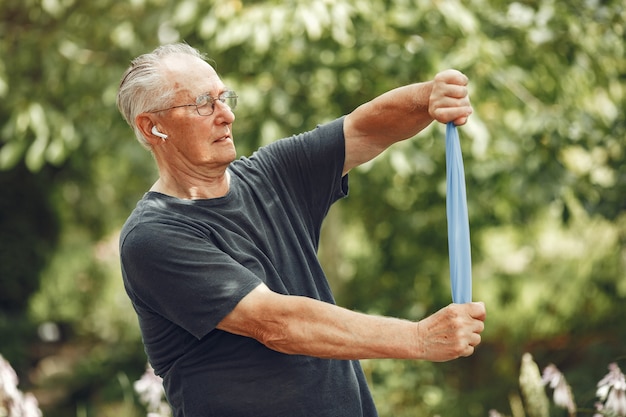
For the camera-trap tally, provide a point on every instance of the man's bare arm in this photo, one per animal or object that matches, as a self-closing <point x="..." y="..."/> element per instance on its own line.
<point x="304" y="326"/>
<point x="402" y="113"/>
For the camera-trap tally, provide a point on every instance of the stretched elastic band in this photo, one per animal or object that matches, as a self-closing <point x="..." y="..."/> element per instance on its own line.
<point x="458" y="222"/>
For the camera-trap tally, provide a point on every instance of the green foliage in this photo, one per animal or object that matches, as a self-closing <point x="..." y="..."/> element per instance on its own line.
<point x="543" y="158"/>
<point x="30" y="231"/>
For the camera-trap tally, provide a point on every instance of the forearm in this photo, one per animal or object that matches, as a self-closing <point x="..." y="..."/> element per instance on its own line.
<point x="314" y="328"/>
<point x="393" y="116"/>
<point x="311" y="327"/>
<point x="402" y="113"/>
<point x="304" y="326"/>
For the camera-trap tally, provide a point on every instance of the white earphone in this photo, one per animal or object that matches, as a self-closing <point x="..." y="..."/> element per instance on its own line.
<point x="156" y="132"/>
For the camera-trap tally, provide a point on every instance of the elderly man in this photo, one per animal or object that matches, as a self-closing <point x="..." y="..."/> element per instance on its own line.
<point x="219" y="257"/>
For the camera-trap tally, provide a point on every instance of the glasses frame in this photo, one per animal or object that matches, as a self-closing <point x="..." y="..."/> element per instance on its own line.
<point x="228" y="94"/>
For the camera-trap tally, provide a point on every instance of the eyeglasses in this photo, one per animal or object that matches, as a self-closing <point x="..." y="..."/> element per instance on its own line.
<point x="205" y="104"/>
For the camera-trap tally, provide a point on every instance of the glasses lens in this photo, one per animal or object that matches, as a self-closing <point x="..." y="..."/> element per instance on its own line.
<point x="230" y="99"/>
<point x="204" y="105"/>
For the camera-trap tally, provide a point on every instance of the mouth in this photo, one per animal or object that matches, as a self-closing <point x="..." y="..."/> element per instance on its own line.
<point x="223" y="139"/>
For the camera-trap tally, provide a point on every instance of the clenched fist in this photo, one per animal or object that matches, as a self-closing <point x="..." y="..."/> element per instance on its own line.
<point x="452" y="332"/>
<point x="449" y="99"/>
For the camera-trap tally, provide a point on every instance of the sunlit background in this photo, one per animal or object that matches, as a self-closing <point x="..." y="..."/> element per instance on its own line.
<point x="544" y="160"/>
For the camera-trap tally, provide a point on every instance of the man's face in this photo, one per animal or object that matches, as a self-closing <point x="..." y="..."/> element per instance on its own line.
<point x="195" y="142"/>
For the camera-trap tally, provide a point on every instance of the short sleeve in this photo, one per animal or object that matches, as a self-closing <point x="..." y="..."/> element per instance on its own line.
<point x="306" y="167"/>
<point x="198" y="299"/>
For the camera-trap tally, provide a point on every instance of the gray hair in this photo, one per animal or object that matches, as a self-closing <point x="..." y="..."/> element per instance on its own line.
<point x="143" y="85"/>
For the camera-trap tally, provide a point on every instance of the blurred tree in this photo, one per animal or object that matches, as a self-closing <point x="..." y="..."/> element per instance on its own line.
<point x="30" y="229"/>
<point x="543" y="155"/>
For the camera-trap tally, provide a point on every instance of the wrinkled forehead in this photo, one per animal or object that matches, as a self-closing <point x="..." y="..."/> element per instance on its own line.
<point x="191" y="76"/>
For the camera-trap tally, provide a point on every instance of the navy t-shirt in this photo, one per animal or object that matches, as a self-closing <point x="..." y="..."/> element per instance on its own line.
<point x="187" y="263"/>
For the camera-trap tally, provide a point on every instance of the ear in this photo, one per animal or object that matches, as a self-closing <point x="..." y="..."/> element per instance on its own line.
<point x="145" y="122"/>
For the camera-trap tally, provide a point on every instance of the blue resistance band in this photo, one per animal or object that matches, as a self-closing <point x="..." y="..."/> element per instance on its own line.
<point x="458" y="222"/>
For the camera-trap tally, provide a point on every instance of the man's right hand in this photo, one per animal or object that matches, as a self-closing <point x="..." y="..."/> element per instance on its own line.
<point x="452" y="332"/>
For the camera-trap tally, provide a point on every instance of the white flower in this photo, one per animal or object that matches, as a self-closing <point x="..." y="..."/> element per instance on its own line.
<point x="12" y="402"/>
<point x="562" y="396"/>
<point x="25" y="406"/>
<point x="150" y="390"/>
<point x="8" y="380"/>
<point x="617" y="402"/>
<point x="603" y="392"/>
<point x="612" y="390"/>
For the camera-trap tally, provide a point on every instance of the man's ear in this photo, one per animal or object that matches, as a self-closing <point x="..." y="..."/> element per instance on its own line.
<point x="146" y="123"/>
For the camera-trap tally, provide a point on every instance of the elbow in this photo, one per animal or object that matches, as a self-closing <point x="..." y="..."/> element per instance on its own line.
<point x="274" y="320"/>
<point x="275" y="336"/>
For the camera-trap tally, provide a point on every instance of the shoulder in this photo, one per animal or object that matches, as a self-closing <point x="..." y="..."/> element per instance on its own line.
<point x="326" y="141"/>
<point x="157" y="221"/>
<point x="321" y="136"/>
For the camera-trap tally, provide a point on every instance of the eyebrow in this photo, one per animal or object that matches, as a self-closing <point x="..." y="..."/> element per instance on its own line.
<point x="220" y="91"/>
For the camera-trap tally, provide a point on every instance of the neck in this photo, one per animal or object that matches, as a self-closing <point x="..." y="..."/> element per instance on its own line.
<point x="193" y="188"/>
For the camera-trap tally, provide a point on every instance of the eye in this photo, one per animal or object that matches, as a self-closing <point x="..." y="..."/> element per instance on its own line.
<point x="203" y="100"/>
<point x="229" y="98"/>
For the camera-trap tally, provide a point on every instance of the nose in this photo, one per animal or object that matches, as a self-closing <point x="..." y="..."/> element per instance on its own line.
<point x="223" y="113"/>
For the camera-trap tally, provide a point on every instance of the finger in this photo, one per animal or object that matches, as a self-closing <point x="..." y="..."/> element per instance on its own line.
<point x="475" y="327"/>
<point x="460" y="121"/>
<point x="480" y="326"/>
<point x="475" y="339"/>
<point x="455" y="91"/>
<point x="452" y="76"/>
<point x="477" y="310"/>
<point x="468" y="351"/>
<point x="458" y="115"/>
